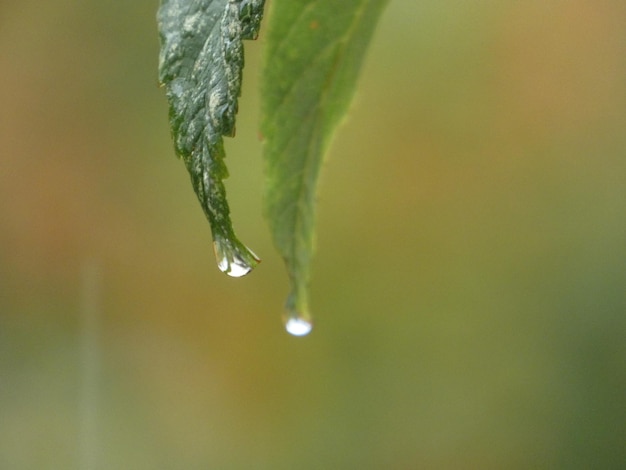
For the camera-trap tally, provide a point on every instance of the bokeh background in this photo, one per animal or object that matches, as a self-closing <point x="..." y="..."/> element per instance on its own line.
<point x="469" y="289"/>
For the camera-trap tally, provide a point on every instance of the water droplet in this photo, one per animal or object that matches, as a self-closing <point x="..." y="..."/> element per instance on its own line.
<point x="233" y="261"/>
<point x="298" y="326"/>
<point x="237" y="270"/>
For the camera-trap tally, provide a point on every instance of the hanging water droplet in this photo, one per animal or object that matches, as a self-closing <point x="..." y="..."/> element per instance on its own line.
<point x="298" y="325"/>
<point x="237" y="268"/>
<point x="234" y="261"/>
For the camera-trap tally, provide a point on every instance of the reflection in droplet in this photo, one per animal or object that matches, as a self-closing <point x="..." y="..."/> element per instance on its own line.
<point x="231" y="261"/>
<point x="298" y="326"/>
<point x="222" y="264"/>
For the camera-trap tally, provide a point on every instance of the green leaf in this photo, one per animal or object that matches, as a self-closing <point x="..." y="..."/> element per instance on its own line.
<point x="200" y="64"/>
<point x="313" y="55"/>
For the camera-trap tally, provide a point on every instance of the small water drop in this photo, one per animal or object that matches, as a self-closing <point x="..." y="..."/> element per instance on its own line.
<point x="298" y="326"/>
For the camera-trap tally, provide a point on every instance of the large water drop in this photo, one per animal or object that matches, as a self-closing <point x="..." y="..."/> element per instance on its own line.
<point x="234" y="262"/>
<point x="298" y="326"/>
<point x="235" y="268"/>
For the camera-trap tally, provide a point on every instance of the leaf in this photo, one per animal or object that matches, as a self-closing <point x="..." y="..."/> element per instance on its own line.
<point x="200" y="64"/>
<point x="313" y="55"/>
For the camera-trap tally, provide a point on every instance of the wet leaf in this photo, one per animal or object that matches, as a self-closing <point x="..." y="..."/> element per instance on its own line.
<point x="200" y="64"/>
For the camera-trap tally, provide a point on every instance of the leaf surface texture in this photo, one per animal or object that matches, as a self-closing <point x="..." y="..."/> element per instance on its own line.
<point x="200" y="64"/>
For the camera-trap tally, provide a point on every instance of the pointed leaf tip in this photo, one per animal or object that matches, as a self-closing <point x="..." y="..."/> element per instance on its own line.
<point x="313" y="54"/>
<point x="200" y="65"/>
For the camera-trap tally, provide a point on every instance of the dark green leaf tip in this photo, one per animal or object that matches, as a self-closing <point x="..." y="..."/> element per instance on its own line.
<point x="200" y="64"/>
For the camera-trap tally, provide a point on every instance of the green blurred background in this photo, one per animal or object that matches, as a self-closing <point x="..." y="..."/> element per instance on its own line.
<point x="469" y="289"/>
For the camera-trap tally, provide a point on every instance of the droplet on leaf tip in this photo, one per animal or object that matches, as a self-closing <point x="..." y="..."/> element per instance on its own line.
<point x="231" y="262"/>
<point x="237" y="270"/>
<point x="297" y="325"/>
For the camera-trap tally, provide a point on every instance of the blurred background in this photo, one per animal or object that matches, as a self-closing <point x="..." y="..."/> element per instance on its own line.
<point x="469" y="289"/>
